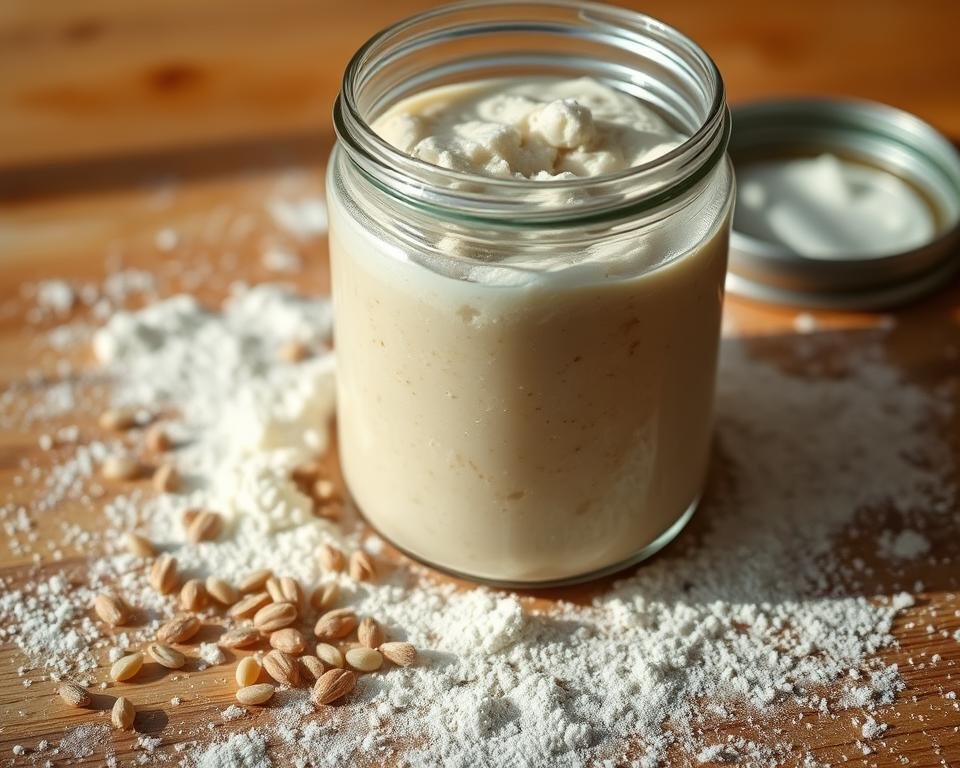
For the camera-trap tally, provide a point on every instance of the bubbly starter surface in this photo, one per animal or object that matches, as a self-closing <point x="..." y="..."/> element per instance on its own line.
<point x="538" y="129"/>
<point x="537" y="430"/>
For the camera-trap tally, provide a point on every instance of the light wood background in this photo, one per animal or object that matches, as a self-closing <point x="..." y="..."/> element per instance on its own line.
<point x="102" y="101"/>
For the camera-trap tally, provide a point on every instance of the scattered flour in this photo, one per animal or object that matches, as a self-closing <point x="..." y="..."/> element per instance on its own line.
<point x="479" y="622"/>
<point x="246" y="417"/>
<point x="281" y="260"/>
<point x="148" y="743"/>
<point x="211" y="654"/>
<point x="83" y="740"/>
<point x="304" y="217"/>
<point x="55" y="295"/>
<point x="51" y="622"/>
<point x="750" y="609"/>
<point x="166" y="239"/>
<point x="239" y="750"/>
<point x="871" y="729"/>
<point x="906" y="545"/>
<point x="805" y="322"/>
<point x="233" y="712"/>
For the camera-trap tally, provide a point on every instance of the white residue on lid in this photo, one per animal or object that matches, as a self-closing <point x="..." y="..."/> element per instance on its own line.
<point x="830" y="208"/>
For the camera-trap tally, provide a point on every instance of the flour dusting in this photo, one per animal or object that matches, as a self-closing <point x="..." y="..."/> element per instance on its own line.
<point x="751" y="611"/>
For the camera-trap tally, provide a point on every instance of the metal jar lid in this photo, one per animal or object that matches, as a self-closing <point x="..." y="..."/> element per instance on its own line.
<point x="867" y="132"/>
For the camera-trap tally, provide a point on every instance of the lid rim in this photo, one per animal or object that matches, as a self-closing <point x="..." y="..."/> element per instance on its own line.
<point x="899" y="141"/>
<point x="890" y="297"/>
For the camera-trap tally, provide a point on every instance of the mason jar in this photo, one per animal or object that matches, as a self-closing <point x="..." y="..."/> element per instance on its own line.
<point x="525" y="369"/>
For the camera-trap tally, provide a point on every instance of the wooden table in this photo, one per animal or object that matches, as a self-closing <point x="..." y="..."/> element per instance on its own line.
<point x="229" y="100"/>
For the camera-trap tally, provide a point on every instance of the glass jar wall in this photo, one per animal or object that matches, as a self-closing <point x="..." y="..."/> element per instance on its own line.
<point x="526" y="368"/>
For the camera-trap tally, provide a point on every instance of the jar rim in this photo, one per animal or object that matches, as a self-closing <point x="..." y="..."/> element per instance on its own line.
<point x="420" y="183"/>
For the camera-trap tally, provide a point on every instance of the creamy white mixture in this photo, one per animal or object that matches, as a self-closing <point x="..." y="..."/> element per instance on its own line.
<point x="830" y="208"/>
<point x="535" y="128"/>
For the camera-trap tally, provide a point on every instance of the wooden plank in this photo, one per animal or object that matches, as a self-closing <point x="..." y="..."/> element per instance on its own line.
<point x="116" y="78"/>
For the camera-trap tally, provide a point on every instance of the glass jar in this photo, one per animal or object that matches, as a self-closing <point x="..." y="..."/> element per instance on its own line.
<point x="526" y="368"/>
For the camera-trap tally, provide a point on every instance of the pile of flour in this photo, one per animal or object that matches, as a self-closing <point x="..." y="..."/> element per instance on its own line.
<point x="749" y="611"/>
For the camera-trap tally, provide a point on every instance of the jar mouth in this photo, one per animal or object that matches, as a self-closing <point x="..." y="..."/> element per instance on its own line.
<point x="678" y="78"/>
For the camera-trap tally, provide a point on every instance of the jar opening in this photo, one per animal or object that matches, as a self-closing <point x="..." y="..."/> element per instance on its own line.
<point x="480" y="39"/>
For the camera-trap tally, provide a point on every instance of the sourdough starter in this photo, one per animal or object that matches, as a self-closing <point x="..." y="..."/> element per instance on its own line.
<point x="532" y="429"/>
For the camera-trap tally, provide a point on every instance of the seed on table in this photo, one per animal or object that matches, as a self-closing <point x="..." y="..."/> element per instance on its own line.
<point x="293" y="351"/>
<point x="332" y="558"/>
<point x="273" y="589"/>
<point x="282" y="667"/>
<point x="127" y="667"/>
<point x="275" y="616"/>
<point x="252" y="695"/>
<point x="401" y="654"/>
<point x="111" y="609"/>
<point x="163" y="574"/>
<point x="119" y="468"/>
<point x="325" y="596"/>
<point x="254" y="581"/>
<point x="324" y="490"/>
<point x="327" y="502"/>
<point x="330" y="655"/>
<point x="333" y="685"/>
<point x="369" y="632"/>
<point x="242" y="637"/>
<point x="179" y="629"/>
<point x="292" y="592"/>
<point x="335" y="624"/>
<point x="249" y="605"/>
<point x="331" y="510"/>
<point x="74" y="695"/>
<point x="118" y="419"/>
<point x="307" y="473"/>
<point x="288" y="640"/>
<point x="364" y="659"/>
<point x="221" y="591"/>
<point x="166" y="479"/>
<point x="312" y="666"/>
<point x="193" y="595"/>
<point x="166" y="656"/>
<point x="157" y="439"/>
<point x="205" y="526"/>
<point x="139" y="545"/>
<point x="123" y="713"/>
<point x="361" y="566"/>
<point x="248" y="671"/>
<point x="326" y="499"/>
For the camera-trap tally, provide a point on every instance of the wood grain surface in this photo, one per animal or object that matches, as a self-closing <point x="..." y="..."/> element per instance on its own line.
<point x="112" y="79"/>
<point x="119" y="118"/>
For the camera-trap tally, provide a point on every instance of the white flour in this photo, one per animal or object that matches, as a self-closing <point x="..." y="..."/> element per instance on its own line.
<point x="750" y="611"/>
<point x="223" y="370"/>
<point x="246" y="416"/>
<point x="906" y="545"/>
<point x="240" y="750"/>
<point x="303" y="217"/>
